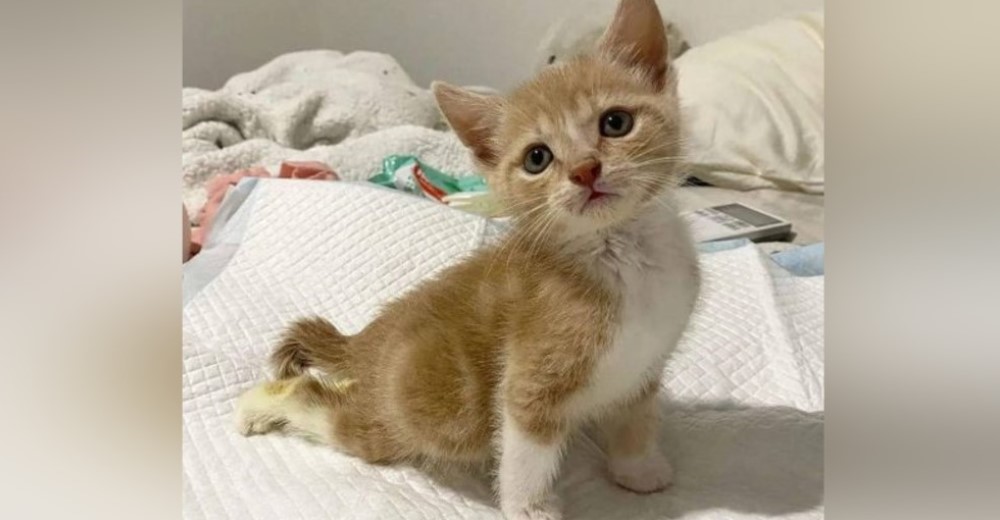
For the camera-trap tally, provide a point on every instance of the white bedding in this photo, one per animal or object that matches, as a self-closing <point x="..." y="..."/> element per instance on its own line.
<point x="352" y="110"/>
<point x="754" y="106"/>
<point x="349" y="111"/>
<point x="744" y="422"/>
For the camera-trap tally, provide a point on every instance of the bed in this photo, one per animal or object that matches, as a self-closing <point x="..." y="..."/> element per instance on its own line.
<point x="743" y="396"/>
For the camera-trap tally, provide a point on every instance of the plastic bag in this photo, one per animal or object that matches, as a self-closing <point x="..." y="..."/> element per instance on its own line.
<point x="407" y="173"/>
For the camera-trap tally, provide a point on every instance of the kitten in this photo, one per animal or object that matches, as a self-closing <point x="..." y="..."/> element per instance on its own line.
<point x="568" y="320"/>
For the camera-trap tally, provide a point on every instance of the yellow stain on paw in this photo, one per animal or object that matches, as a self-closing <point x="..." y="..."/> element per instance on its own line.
<point x="277" y="387"/>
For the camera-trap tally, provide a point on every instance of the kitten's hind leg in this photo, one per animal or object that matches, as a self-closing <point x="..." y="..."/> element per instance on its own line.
<point x="301" y="406"/>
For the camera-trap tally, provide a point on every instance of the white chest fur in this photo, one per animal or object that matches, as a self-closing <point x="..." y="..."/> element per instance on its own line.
<point x="653" y="266"/>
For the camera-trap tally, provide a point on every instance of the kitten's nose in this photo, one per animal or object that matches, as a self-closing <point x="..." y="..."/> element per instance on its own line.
<point x="586" y="173"/>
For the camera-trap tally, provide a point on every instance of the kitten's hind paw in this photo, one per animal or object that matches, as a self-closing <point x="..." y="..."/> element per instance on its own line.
<point x="259" y="425"/>
<point x="258" y="410"/>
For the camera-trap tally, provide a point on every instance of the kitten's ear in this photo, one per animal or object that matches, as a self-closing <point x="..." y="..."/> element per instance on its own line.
<point x="474" y="118"/>
<point x="636" y="37"/>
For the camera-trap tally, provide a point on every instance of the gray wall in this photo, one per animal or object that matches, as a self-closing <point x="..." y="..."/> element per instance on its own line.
<point x="471" y="42"/>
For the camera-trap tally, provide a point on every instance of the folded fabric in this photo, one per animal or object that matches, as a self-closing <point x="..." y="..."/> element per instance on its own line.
<point x="802" y="261"/>
<point x="185" y="236"/>
<point x="314" y="170"/>
<point x="219" y="186"/>
<point x="799" y="261"/>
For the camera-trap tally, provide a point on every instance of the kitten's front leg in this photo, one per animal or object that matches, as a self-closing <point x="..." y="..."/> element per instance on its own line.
<point x="634" y="457"/>
<point x="529" y="462"/>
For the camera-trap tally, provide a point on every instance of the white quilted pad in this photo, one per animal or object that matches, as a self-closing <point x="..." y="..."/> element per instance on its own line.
<point x="743" y="394"/>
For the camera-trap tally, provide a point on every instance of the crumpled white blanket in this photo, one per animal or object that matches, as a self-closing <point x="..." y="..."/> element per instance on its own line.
<point x="349" y="111"/>
<point x="743" y="394"/>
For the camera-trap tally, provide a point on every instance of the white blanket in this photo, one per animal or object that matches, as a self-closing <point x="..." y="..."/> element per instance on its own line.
<point x="743" y="394"/>
<point x="348" y="111"/>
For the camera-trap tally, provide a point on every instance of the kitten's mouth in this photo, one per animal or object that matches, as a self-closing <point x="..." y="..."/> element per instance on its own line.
<point x="597" y="199"/>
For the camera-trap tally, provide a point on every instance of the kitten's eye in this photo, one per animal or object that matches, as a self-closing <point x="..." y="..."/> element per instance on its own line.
<point x="616" y="123"/>
<point x="537" y="159"/>
<point x="552" y="59"/>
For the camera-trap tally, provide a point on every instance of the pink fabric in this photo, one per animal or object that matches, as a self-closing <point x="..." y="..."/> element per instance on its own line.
<point x="218" y="186"/>
<point x="185" y="236"/>
<point x="307" y="170"/>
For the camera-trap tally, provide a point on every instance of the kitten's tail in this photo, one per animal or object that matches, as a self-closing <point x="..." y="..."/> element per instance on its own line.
<point x="310" y="342"/>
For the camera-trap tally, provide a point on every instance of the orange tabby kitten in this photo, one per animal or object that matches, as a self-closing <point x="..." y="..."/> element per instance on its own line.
<point x="568" y="320"/>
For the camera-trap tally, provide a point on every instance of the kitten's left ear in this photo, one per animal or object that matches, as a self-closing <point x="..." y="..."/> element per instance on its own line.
<point x="636" y="37"/>
<point x="473" y="117"/>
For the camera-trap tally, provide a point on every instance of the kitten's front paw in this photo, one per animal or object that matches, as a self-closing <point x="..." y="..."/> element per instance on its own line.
<point x="550" y="509"/>
<point x="643" y="474"/>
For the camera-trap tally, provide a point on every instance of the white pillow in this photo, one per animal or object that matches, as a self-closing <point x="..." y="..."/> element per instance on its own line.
<point x="753" y="104"/>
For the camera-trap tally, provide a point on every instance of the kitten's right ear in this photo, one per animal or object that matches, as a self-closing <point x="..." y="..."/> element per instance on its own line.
<point x="637" y="38"/>
<point x="473" y="117"/>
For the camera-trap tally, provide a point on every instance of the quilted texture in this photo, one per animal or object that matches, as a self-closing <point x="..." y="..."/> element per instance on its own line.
<point x="743" y="394"/>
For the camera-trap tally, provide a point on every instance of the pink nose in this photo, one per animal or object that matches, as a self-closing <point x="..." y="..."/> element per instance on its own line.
<point x="586" y="173"/>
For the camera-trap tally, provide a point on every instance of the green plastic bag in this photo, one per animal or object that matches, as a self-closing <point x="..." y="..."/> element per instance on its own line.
<point x="409" y="174"/>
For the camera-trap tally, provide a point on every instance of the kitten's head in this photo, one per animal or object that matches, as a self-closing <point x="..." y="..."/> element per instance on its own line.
<point x="587" y="143"/>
